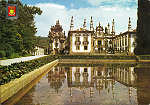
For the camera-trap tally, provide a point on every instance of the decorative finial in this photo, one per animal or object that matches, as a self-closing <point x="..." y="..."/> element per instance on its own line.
<point x="113" y="27"/>
<point x="84" y="24"/>
<point x="71" y="24"/>
<point x="91" y="24"/>
<point x="108" y="25"/>
<point x="129" y="24"/>
<point x="108" y="28"/>
<point x="99" y="24"/>
<point x="91" y="17"/>
<point x="57" y="22"/>
<point x="113" y="20"/>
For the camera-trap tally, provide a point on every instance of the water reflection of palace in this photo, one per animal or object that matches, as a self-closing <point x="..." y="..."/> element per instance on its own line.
<point x="80" y="77"/>
<point x="56" y="78"/>
<point x="96" y="76"/>
<point x="101" y="78"/>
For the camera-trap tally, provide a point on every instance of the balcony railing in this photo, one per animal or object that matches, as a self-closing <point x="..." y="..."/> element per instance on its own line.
<point x="85" y="42"/>
<point x="100" y="46"/>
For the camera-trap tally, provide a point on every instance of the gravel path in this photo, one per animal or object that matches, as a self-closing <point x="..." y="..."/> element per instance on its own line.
<point x="16" y="60"/>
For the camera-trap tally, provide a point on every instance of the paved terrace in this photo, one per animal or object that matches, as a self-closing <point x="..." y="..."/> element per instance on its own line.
<point x="17" y="60"/>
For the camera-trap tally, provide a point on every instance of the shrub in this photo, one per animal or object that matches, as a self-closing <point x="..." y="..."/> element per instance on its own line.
<point x="2" y="54"/>
<point x="14" y="55"/>
<point x="144" y="57"/>
<point x="103" y="57"/>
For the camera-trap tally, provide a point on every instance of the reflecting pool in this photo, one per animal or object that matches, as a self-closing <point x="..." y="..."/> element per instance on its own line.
<point x="91" y="85"/>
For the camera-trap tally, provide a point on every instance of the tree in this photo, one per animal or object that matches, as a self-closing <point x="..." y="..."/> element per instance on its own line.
<point x="18" y="34"/>
<point x="143" y="31"/>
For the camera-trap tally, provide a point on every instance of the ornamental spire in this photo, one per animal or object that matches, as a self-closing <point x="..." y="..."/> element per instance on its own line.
<point x="129" y="24"/>
<point x="91" y="25"/>
<point x="57" y="22"/>
<point x="113" y="27"/>
<point x="108" y="28"/>
<point x="99" y="24"/>
<point x="84" y="24"/>
<point x="71" y="24"/>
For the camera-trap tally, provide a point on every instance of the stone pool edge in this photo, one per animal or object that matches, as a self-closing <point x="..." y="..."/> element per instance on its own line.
<point x="74" y="61"/>
<point x="94" y="61"/>
<point x="14" y="86"/>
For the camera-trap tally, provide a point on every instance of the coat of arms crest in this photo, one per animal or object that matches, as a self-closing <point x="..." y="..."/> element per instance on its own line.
<point x="11" y="11"/>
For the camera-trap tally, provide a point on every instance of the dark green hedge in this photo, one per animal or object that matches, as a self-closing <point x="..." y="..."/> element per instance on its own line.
<point x="16" y="70"/>
<point x="146" y="57"/>
<point x="99" y="64"/>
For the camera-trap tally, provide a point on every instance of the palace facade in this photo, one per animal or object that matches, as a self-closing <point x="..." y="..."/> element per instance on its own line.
<point x="101" y="40"/>
<point x="80" y="40"/>
<point x="93" y="41"/>
<point x="57" y="39"/>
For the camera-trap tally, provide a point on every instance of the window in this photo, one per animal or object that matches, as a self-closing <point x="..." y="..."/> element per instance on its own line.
<point x="99" y="42"/>
<point x="85" y="69"/>
<point x="85" y="39"/>
<point x="110" y="42"/>
<point x="85" y="48"/>
<point x="99" y="73"/>
<point x="77" y="47"/>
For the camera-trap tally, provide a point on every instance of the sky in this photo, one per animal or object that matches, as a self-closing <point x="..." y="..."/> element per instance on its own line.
<point x="103" y="11"/>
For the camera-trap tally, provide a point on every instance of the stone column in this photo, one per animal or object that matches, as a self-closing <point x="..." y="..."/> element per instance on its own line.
<point x="129" y="42"/>
<point x="92" y="46"/>
<point x="124" y="42"/>
<point x="120" y="43"/>
<point x="71" y="44"/>
<point x="117" y="44"/>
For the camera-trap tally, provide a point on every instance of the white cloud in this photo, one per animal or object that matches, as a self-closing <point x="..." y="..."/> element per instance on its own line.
<point x="53" y="12"/>
<point x="45" y="5"/>
<point x="98" y="2"/>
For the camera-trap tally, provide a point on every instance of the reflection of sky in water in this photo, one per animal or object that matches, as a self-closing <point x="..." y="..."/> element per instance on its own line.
<point x="99" y="85"/>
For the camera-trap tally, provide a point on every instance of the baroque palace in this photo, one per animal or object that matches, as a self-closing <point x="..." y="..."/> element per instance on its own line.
<point x="98" y="41"/>
<point x="57" y="39"/>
